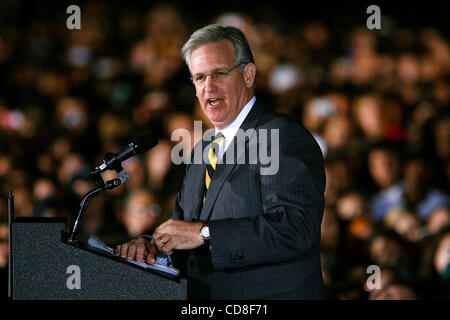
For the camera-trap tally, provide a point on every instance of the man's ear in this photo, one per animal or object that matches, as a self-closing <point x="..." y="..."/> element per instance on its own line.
<point x="249" y="75"/>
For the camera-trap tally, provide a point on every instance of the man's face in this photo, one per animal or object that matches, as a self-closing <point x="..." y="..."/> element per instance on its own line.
<point x="221" y="101"/>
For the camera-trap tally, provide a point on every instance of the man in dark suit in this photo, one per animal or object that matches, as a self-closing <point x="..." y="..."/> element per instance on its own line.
<point x="245" y="233"/>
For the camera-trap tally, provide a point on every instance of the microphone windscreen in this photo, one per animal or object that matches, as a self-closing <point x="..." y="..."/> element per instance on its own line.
<point x="145" y="141"/>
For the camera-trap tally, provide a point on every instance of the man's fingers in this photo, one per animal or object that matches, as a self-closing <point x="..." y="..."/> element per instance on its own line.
<point x="169" y="246"/>
<point x="135" y="249"/>
<point x="170" y="235"/>
<point x="124" y="250"/>
<point x="158" y="239"/>
<point x="151" y="254"/>
<point x="162" y="241"/>
<point x="132" y="251"/>
<point x="156" y="236"/>
<point x="140" y="252"/>
<point x="150" y="259"/>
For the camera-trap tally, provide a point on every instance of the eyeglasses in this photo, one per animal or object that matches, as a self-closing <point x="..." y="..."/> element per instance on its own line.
<point x="218" y="75"/>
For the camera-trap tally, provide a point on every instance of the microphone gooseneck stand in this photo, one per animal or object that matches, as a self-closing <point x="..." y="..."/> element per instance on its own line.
<point x="109" y="185"/>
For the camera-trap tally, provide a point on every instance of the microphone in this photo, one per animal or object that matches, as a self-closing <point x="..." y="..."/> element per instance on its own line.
<point x="139" y="144"/>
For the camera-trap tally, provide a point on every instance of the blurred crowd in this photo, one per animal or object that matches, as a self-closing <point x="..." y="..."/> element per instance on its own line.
<point x="377" y="102"/>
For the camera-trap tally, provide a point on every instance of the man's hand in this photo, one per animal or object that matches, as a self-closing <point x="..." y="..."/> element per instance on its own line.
<point x="177" y="234"/>
<point x="137" y="249"/>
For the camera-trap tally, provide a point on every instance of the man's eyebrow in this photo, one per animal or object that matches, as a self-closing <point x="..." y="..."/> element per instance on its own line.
<point x="213" y="70"/>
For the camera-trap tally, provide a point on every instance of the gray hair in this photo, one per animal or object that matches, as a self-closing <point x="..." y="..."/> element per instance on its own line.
<point x="214" y="33"/>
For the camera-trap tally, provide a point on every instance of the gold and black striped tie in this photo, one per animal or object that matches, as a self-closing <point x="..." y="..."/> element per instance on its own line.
<point x="212" y="157"/>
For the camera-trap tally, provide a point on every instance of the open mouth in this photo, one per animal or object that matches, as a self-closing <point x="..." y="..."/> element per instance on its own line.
<point x="213" y="101"/>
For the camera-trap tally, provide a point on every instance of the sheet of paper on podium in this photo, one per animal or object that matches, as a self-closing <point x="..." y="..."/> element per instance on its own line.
<point x="162" y="263"/>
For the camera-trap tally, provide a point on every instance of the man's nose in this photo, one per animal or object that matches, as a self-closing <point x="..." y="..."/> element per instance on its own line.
<point x="210" y="84"/>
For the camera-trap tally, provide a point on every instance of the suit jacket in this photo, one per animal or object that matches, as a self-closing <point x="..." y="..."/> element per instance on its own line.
<point x="265" y="229"/>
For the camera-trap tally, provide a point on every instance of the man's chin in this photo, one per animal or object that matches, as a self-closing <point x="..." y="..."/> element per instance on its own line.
<point x="218" y="124"/>
<point x="215" y="118"/>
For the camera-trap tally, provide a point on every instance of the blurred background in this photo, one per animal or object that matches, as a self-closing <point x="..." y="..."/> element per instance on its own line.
<point x="377" y="101"/>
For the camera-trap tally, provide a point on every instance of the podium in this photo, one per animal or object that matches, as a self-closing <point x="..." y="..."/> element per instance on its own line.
<point x="45" y="267"/>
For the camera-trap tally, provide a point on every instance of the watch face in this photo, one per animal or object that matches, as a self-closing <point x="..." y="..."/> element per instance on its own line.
<point x="205" y="232"/>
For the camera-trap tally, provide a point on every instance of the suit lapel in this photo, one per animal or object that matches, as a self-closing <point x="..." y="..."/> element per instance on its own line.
<point x="198" y="184"/>
<point x="224" y="170"/>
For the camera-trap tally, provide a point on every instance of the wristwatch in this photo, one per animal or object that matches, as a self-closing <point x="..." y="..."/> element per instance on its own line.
<point x="204" y="232"/>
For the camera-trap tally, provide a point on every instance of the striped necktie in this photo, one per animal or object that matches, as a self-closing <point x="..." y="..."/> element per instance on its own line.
<point x="212" y="157"/>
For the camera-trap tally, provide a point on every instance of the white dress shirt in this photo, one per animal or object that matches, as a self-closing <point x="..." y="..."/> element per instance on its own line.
<point x="229" y="132"/>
